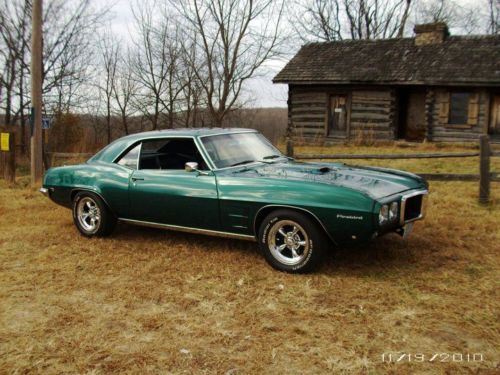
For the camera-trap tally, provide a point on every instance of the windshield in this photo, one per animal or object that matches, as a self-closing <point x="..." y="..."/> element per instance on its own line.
<point x="229" y="150"/>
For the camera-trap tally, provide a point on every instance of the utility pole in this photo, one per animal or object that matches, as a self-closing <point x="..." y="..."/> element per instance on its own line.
<point x="36" y="95"/>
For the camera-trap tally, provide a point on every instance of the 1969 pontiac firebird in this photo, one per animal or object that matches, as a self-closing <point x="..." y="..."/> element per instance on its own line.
<point x="235" y="183"/>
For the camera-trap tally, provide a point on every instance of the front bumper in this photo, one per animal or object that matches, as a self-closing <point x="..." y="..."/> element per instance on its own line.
<point x="44" y="191"/>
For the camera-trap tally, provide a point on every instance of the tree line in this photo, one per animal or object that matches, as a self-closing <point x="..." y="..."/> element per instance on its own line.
<point x="186" y="63"/>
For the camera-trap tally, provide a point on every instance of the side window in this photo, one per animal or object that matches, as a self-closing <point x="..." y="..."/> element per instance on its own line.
<point x="459" y="108"/>
<point x="169" y="153"/>
<point x="131" y="158"/>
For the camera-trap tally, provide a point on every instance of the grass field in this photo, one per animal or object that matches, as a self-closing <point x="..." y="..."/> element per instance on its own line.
<point x="155" y="301"/>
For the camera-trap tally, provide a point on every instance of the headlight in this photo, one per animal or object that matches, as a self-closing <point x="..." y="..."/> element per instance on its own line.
<point x="393" y="211"/>
<point x="383" y="215"/>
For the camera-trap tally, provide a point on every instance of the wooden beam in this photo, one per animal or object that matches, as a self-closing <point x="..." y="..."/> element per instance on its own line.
<point x="484" y="169"/>
<point x="388" y="156"/>
<point x="9" y="160"/>
<point x="36" y="94"/>
<point x="449" y="176"/>
<point x="68" y="155"/>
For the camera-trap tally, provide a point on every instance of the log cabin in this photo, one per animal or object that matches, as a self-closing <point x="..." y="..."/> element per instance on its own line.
<point x="432" y="86"/>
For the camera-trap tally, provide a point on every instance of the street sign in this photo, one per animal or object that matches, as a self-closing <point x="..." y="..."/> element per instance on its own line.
<point x="46" y="122"/>
<point x="4" y="142"/>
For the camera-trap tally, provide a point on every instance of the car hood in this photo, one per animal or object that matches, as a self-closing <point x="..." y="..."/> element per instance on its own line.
<point x="373" y="181"/>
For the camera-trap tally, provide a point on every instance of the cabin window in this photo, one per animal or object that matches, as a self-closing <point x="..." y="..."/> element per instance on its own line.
<point x="459" y="108"/>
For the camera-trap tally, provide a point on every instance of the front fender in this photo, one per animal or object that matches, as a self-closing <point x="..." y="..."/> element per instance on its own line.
<point x="343" y="212"/>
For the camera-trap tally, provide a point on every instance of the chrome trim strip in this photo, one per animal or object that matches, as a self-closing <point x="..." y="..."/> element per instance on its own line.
<point x="404" y="198"/>
<point x="292" y="207"/>
<point x="44" y="191"/>
<point x="189" y="229"/>
<point x="228" y="132"/>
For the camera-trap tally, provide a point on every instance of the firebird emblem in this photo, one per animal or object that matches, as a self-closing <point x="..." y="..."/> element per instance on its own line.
<point x="350" y="217"/>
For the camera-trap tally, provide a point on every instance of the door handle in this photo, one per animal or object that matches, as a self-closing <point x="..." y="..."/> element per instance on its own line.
<point x="137" y="179"/>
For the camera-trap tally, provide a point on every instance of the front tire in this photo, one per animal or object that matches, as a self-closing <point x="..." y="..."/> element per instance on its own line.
<point x="91" y="215"/>
<point x="291" y="242"/>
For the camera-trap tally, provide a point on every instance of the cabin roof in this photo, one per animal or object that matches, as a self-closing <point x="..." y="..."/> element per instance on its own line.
<point x="458" y="60"/>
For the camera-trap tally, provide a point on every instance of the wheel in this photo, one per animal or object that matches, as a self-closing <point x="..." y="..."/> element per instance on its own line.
<point x="291" y="242"/>
<point x="91" y="215"/>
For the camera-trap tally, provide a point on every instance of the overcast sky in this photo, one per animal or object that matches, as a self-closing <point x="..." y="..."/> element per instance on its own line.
<point x="259" y="90"/>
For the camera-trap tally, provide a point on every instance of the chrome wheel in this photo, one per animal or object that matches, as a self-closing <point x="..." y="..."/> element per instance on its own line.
<point x="288" y="242"/>
<point x="88" y="214"/>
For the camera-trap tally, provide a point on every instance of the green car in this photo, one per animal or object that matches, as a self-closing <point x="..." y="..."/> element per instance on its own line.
<point x="235" y="183"/>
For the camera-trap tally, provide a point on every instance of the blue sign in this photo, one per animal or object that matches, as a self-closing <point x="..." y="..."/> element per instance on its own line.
<point x="46" y="122"/>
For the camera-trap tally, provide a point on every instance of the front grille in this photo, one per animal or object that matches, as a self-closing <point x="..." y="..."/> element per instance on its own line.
<point x="412" y="206"/>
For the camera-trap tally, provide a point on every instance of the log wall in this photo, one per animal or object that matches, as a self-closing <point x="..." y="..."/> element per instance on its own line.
<point x="371" y="113"/>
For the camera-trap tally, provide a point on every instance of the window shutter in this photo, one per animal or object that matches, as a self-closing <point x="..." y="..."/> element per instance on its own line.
<point x="444" y="107"/>
<point x="473" y="109"/>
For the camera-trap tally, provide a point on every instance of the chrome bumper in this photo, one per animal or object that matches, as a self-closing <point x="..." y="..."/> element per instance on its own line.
<point x="44" y="191"/>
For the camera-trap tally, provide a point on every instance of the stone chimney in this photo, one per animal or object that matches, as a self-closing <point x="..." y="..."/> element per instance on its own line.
<point x="430" y="33"/>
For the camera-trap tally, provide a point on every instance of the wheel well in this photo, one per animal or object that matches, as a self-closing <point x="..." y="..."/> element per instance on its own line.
<point x="76" y="191"/>
<point x="263" y="212"/>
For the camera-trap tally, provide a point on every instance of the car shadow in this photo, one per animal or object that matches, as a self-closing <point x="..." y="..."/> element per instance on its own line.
<point x="390" y="253"/>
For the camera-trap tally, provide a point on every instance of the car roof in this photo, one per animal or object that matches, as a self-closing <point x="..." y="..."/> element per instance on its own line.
<point x="114" y="149"/>
<point x="185" y="132"/>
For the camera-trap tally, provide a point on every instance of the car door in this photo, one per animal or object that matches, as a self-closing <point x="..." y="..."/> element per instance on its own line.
<point x="161" y="191"/>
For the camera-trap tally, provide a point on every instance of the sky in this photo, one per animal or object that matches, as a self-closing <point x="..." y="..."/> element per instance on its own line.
<point x="258" y="91"/>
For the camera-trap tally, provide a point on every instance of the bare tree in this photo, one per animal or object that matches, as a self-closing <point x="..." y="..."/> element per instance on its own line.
<point x="124" y="89"/>
<point x="109" y="56"/>
<point x="493" y="17"/>
<point x="463" y="17"/>
<point x="158" y="49"/>
<point x="235" y="38"/>
<point x="329" y="20"/>
<point x="318" y="20"/>
<point x="68" y="31"/>
<point x="14" y="18"/>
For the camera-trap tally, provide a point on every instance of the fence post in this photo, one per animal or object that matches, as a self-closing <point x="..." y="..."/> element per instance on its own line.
<point x="289" y="127"/>
<point x="484" y="168"/>
<point x="9" y="159"/>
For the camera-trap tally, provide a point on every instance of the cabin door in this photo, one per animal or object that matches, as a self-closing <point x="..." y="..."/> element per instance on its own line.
<point x="337" y="116"/>
<point x="494" y="128"/>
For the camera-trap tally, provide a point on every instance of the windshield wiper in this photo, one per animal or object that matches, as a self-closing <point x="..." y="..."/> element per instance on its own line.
<point x="242" y="162"/>
<point x="271" y="157"/>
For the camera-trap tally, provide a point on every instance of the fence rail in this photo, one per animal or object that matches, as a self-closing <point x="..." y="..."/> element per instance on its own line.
<point x="484" y="177"/>
<point x="64" y="155"/>
<point x="69" y="154"/>
<point x="394" y="156"/>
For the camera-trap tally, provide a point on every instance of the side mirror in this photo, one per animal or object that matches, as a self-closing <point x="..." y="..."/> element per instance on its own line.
<point x="191" y="166"/>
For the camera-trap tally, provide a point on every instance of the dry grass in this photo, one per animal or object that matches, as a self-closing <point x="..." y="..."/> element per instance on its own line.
<point x="154" y="301"/>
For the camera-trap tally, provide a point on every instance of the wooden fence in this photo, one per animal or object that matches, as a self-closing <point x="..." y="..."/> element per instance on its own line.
<point x="485" y="176"/>
<point x="52" y="156"/>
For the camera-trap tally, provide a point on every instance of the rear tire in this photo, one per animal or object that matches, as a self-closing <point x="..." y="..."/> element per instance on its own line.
<point x="292" y="242"/>
<point x="92" y="216"/>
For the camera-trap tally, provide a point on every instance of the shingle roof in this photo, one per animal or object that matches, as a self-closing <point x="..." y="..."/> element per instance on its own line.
<point x="464" y="60"/>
